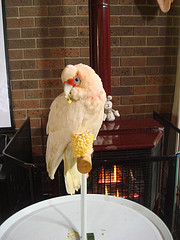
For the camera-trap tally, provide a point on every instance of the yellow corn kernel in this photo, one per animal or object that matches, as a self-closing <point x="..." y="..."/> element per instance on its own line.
<point x="81" y="143"/>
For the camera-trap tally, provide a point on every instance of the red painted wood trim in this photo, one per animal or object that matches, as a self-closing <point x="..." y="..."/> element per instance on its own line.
<point x="99" y="40"/>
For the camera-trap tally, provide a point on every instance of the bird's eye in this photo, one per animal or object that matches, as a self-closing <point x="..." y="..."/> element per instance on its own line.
<point x="77" y="80"/>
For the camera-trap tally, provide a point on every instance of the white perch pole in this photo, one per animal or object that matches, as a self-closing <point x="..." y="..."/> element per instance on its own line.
<point x="83" y="207"/>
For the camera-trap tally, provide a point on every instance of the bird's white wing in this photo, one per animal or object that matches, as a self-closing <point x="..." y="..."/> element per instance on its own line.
<point x="64" y="119"/>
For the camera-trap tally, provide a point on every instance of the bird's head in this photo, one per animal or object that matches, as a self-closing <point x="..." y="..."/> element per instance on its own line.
<point x="80" y="81"/>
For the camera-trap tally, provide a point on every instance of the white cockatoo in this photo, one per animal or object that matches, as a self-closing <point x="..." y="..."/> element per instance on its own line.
<point x="79" y="109"/>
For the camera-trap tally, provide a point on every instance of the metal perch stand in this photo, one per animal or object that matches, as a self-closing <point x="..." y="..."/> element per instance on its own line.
<point x="84" y="234"/>
<point x="83" y="207"/>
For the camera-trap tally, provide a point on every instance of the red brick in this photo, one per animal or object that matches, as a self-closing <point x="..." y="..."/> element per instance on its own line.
<point x="145" y="10"/>
<point x="57" y="91"/>
<point x="38" y="93"/>
<point x="116" y="100"/>
<point x="121" y="10"/>
<point x="133" y="41"/>
<point x="24" y="84"/>
<point x="121" y="31"/>
<point x="17" y="94"/>
<point x="133" y="21"/>
<point x="125" y="109"/>
<point x="115" y="62"/>
<point x="132" y="2"/>
<point x="115" y="41"/>
<point x="19" y="114"/>
<point x="21" y="43"/>
<point x="11" y="12"/>
<point x="62" y="10"/>
<point x="145" y="71"/>
<point x="25" y="104"/>
<point x="20" y="22"/>
<point x="146" y="51"/>
<point x="164" y="108"/>
<point x="18" y="122"/>
<point x="69" y="2"/>
<point x="15" y="54"/>
<point x="131" y="100"/>
<point x="51" y="42"/>
<point x="122" y="51"/>
<point x="159" y="21"/>
<point x="83" y="31"/>
<point x="121" y="71"/>
<point x="127" y="81"/>
<point x="36" y="123"/>
<point x="74" y="61"/>
<point x="63" y="31"/>
<point x="48" y="22"/>
<point x="166" y="89"/>
<point x="82" y="10"/>
<point x="13" y="33"/>
<point x="143" y="90"/>
<point x="14" y="75"/>
<point x="157" y="61"/>
<point x="22" y="64"/>
<point x="34" y="32"/>
<point x="168" y="31"/>
<point x="114" y="20"/>
<point x="176" y="21"/>
<point x="75" y="21"/>
<point x="76" y="42"/>
<point x="131" y="61"/>
<point x="145" y="108"/>
<point x="82" y="2"/>
<point x="47" y="2"/>
<point x="45" y="103"/>
<point x="170" y="70"/>
<point x="145" y="31"/>
<point x="38" y="113"/>
<point x="171" y="51"/>
<point x="84" y="52"/>
<point x="159" y="41"/>
<point x="37" y="53"/>
<point x="120" y="91"/>
<point x="50" y="63"/>
<point x="48" y="83"/>
<point x="160" y="80"/>
<point x="65" y="52"/>
<point x="42" y="74"/>
<point x="115" y="81"/>
<point x="158" y="98"/>
<point x="33" y="11"/>
<point x="19" y="2"/>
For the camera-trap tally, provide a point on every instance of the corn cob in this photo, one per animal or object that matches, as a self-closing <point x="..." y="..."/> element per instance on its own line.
<point x="81" y="143"/>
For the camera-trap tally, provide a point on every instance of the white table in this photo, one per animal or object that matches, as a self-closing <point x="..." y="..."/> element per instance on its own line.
<point x="109" y="218"/>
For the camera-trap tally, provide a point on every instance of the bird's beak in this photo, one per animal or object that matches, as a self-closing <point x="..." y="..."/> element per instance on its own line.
<point x="67" y="89"/>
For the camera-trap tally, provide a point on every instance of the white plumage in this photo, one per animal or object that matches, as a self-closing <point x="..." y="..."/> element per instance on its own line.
<point x="83" y="88"/>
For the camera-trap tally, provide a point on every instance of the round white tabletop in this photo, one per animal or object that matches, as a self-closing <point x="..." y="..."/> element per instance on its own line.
<point x="109" y="218"/>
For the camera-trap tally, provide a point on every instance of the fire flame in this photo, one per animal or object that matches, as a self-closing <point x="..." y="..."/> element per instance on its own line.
<point x="116" y="175"/>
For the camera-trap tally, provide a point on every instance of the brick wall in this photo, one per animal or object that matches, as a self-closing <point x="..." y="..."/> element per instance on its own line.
<point x="45" y="35"/>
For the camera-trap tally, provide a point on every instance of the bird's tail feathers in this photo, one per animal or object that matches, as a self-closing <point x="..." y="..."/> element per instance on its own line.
<point x="73" y="180"/>
<point x="73" y="177"/>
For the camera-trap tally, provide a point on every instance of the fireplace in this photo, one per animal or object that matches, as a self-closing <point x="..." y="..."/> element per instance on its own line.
<point x="124" y="163"/>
